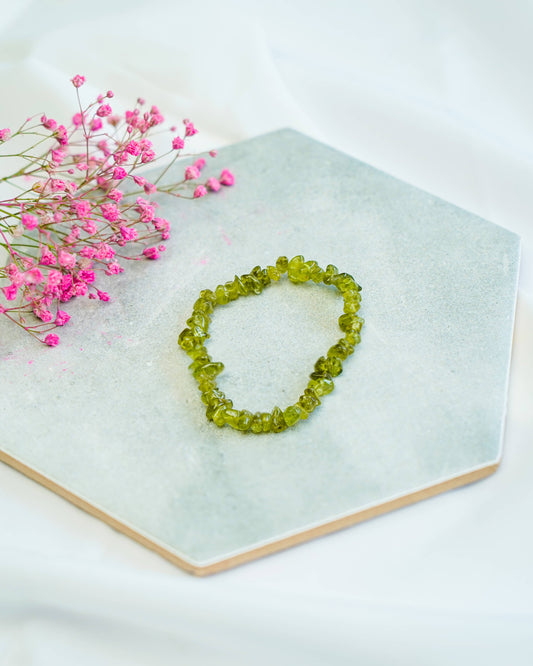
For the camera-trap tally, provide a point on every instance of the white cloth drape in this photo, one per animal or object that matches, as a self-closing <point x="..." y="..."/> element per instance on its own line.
<point x="438" y="94"/>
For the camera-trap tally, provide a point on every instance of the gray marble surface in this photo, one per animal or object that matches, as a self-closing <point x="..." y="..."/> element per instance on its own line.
<point x="114" y="416"/>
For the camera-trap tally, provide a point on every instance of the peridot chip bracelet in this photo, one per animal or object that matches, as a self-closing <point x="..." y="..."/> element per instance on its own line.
<point x="220" y="409"/>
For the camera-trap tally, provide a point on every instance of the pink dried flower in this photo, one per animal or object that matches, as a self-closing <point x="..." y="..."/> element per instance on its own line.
<point x="139" y="180"/>
<point x="86" y="276"/>
<point x="29" y="221"/>
<point x="10" y="292"/>
<point x="110" y="212"/>
<point x="57" y="185"/>
<point x="200" y="191"/>
<point x="62" y="318"/>
<point x="47" y="258"/>
<point x="149" y="188"/>
<point x="128" y="233"/>
<point x="5" y="134"/>
<point x="72" y="236"/>
<point x="96" y="124"/>
<point x="147" y="156"/>
<point x="58" y="156"/>
<point x="52" y="340"/>
<point x="213" y="184"/>
<point x="226" y="177"/>
<point x="54" y="278"/>
<point x="104" y="251"/>
<point x="87" y="251"/>
<point x="61" y="135"/>
<point x="114" y="268"/>
<point x="178" y="143"/>
<point x="49" y="123"/>
<point x="116" y="195"/>
<point x="109" y="94"/>
<point x="33" y="276"/>
<point x="191" y="173"/>
<point x="78" y="80"/>
<point x="119" y="173"/>
<point x="151" y="253"/>
<point x="103" y="295"/>
<point x="81" y="207"/>
<point x="213" y="153"/>
<point x="190" y="129"/>
<point x="43" y="314"/>
<point x="200" y="163"/>
<point x="120" y="157"/>
<point x="80" y="289"/>
<point x="104" y="110"/>
<point x="66" y="259"/>
<point x="90" y="227"/>
<point x="133" y="148"/>
<point x="146" y="210"/>
<point x="162" y="225"/>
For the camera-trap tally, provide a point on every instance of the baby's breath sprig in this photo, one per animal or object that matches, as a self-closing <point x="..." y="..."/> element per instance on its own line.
<point x="81" y="209"/>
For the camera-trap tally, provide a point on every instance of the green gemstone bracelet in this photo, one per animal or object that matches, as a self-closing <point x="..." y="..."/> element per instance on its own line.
<point x="220" y="409"/>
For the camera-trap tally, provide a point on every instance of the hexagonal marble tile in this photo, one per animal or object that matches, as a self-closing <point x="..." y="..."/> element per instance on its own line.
<point x="112" y="420"/>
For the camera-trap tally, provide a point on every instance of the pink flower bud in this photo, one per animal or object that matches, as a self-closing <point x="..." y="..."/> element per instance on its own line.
<point x="128" y="233"/>
<point x="191" y="173"/>
<point x="44" y="315"/>
<point x="226" y="177"/>
<point x="116" y="195"/>
<point x="119" y="173"/>
<point x="96" y="124"/>
<point x="47" y="258"/>
<point x="10" y="292"/>
<point x="62" y="318"/>
<point x="104" y="110"/>
<point x="114" y="268"/>
<point x="77" y="82"/>
<point x="177" y="143"/>
<point x="33" y="276"/>
<point x="200" y="191"/>
<point x="48" y="123"/>
<point x="147" y="156"/>
<point x="66" y="259"/>
<point x="133" y="148"/>
<point x="86" y="276"/>
<point x="190" y="129"/>
<point x="213" y="184"/>
<point x="151" y="253"/>
<point x="110" y="212"/>
<point x="29" y="221"/>
<point x="200" y="163"/>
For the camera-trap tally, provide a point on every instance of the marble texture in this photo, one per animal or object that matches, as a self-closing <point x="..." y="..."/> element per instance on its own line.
<point x="114" y="416"/>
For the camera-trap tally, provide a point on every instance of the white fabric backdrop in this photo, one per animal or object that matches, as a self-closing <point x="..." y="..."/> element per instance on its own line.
<point x="438" y="94"/>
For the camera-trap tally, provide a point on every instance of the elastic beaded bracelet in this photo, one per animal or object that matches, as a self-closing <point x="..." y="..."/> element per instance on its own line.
<point x="220" y="409"/>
